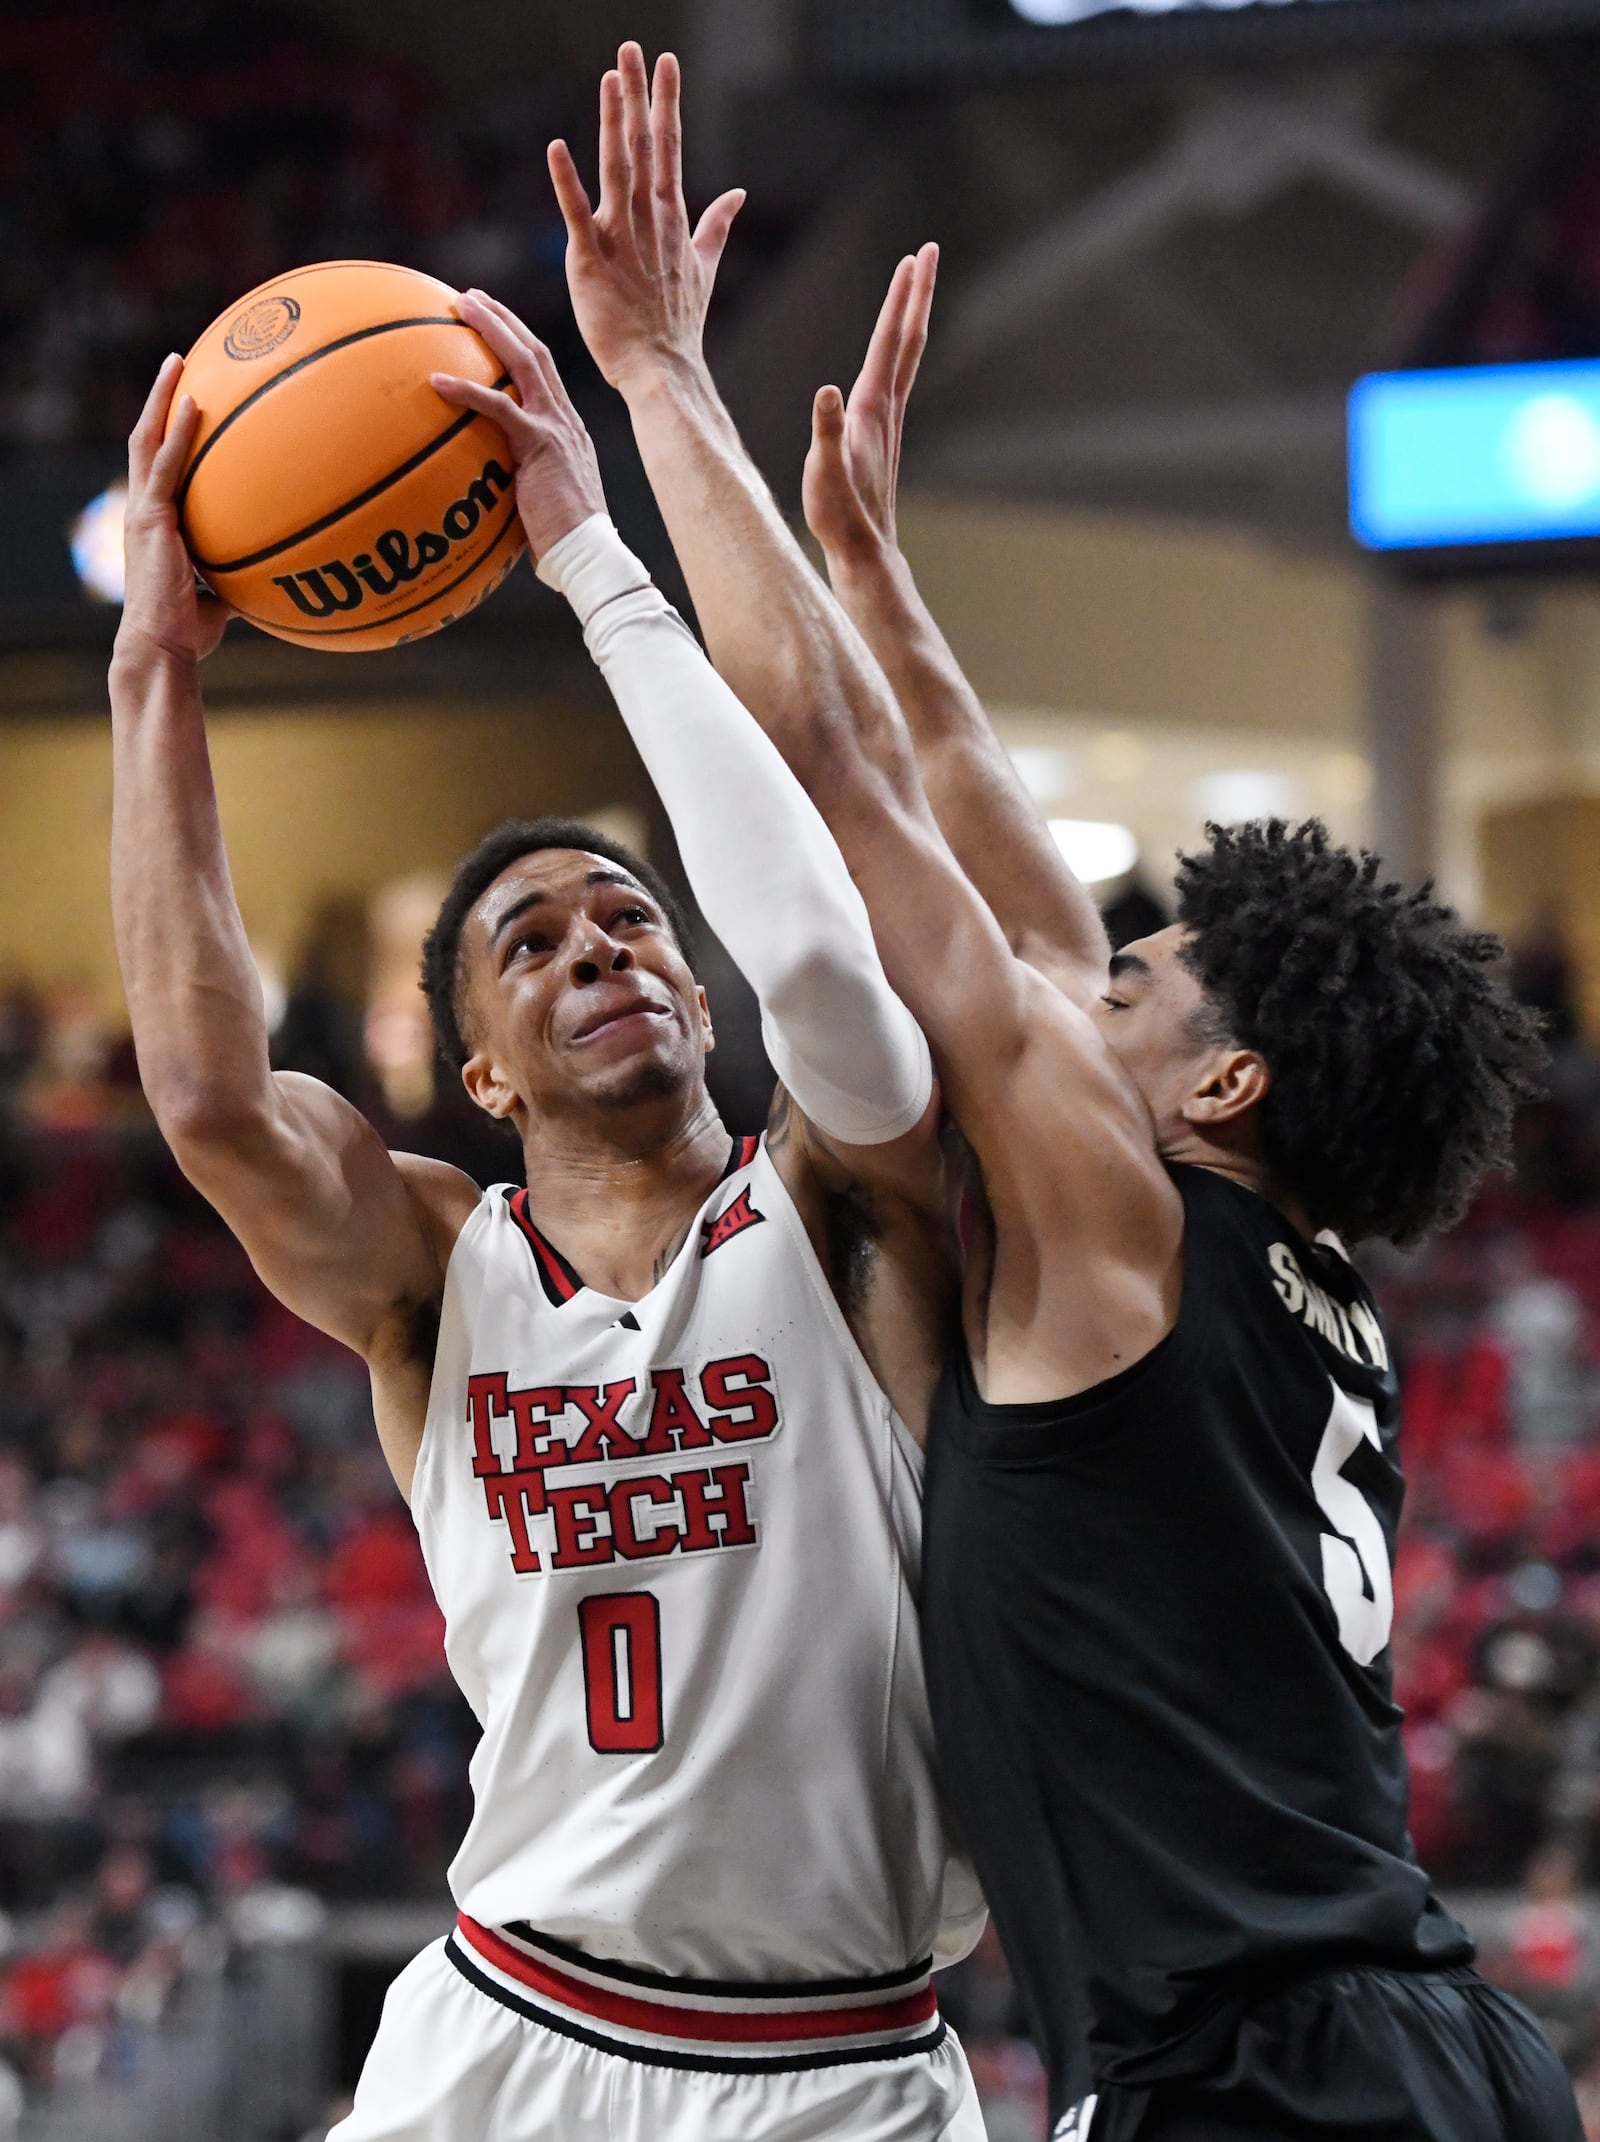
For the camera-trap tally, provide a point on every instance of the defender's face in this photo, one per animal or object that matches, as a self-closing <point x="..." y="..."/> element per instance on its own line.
<point x="1152" y="1016"/>
<point x="577" y="996"/>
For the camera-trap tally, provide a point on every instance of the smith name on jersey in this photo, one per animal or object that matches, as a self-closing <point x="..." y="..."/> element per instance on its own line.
<point x="676" y="1545"/>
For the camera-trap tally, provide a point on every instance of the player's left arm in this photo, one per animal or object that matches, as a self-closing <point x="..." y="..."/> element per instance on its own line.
<point x="995" y="830"/>
<point x="766" y="872"/>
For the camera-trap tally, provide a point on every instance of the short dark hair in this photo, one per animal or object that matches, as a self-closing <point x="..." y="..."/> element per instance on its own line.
<point x="1398" y="1055"/>
<point x="475" y="873"/>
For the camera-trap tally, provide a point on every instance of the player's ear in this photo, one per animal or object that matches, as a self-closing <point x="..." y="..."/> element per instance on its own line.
<point x="489" y="1087"/>
<point x="1232" y="1082"/>
<point x="708" y="1038"/>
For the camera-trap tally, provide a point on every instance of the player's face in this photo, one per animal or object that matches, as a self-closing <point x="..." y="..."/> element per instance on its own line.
<point x="1153" y="1014"/>
<point x="577" y="994"/>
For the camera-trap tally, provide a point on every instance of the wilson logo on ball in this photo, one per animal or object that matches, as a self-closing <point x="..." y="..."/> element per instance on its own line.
<point x="261" y="327"/>
<point x="395" y="558"/>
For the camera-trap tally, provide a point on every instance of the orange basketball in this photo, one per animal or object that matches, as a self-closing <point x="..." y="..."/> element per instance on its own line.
<point x="332" y="497"/>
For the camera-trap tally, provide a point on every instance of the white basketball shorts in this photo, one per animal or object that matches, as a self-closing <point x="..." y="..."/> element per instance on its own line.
<point x="500" y="2035"/>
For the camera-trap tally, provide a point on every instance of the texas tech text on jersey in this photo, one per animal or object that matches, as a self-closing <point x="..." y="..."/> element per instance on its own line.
<point x="627" y="1515"/>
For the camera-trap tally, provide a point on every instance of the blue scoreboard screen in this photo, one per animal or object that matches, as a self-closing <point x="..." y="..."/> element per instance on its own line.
<point x="1476" y="458"/>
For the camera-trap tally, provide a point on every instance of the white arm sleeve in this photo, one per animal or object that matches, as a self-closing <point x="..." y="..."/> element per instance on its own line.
<point x="764" y="868"/>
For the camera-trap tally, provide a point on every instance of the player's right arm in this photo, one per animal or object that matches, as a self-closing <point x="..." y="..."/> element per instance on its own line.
<point x="342" y="1234"/>
<point x="995" y="830"/>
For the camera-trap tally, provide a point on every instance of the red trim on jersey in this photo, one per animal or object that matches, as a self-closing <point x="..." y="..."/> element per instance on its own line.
<point x="768" y="2025"/>
<point x="561" y="1282"/>
<point x="748" y="1148"/>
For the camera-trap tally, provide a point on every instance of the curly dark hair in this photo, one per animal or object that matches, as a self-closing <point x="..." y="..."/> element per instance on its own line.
<point x="1398" y="1056"/>
<point x="475" y="873"/>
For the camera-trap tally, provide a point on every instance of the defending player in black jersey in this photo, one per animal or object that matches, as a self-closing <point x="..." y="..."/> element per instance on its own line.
<point x="1166" y="1481"/>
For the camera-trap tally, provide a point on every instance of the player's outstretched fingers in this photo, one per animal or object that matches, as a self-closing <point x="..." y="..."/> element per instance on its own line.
<point x="833" y="508"/>
<point x="875" y="381"/>
<point x="914" y="328"/>
<point x="666" y="125"/>
<point x="640" y="146"/>
<point x="571" y="197"/>
<point x="616" y="176"/>
<point x="491" y="402"/>
<point x="506" y="342"/>
<point x="827" y="422"/>
<point x="145" y="438"/>
<point x="711" y="232"/>
<point x="172" y="455"/>
<point x="512" y="325"/>
<point x="534" y="351"/>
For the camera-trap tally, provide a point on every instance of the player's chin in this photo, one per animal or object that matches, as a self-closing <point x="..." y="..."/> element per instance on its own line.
<point x="656" y="1076"/>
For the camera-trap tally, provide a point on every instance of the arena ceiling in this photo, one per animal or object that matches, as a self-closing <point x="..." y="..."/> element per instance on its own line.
<point x="1154" y="294"/>
<point x="1157" y="285"/>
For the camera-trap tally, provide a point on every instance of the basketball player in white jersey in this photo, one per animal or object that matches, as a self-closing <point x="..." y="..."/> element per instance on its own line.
<point x="650" y="1413"/>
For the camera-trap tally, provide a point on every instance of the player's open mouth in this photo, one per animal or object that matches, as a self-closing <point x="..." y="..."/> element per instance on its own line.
<point x="624" y="1016"/>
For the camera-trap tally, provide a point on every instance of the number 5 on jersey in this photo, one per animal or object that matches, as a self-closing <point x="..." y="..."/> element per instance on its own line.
<point x="621" y="1640"/>
<point x="1355" y="1555"/>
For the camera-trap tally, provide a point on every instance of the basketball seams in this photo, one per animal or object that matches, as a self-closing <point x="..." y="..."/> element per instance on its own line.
<point x="392" y="617"/>
<point x="350" y="505"/>
<point x="341" y="342"/>
<point x="317" y="267"/>
<point x="362" y="422"/>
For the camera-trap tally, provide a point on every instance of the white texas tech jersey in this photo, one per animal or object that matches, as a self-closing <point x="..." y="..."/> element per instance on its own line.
<point x="676" y="1545"/>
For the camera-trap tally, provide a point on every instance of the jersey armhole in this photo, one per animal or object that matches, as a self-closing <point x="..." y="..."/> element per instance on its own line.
<point x="838" y="1322"/>
<point x="446" y="1349"/>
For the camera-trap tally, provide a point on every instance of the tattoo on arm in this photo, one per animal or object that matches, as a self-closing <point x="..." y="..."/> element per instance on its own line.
<point x="780" y="1120"/>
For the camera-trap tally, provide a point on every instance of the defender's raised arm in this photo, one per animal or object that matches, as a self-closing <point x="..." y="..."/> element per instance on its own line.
<point x="1021" y="1062"/>
<point x="995" y="830"/>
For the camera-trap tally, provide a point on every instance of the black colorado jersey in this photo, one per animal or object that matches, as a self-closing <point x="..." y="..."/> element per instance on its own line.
<point x="1156" y="1618"/>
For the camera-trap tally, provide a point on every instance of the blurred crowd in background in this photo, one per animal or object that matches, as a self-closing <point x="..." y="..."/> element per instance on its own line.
<point x="222" y="1688"/>
<point x="157" y="163"/>
<point x="221" y="1676"/>
<point x="176" y="156"/>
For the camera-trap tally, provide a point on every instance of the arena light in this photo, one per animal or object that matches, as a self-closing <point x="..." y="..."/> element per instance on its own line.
<point x="96" y="540"/>
<point x="1051" y="14"/>
<point x="1238" y="793"/>
<point x="1096" y="849"/>
<point x="904" y="41"/>
<point x="1047" y="772"/>
<point x="1477" y="455"/>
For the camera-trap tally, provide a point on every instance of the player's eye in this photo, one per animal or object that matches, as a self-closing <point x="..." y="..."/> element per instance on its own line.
<point x="1113" y="1003"/>
<point x="634" y="916"/>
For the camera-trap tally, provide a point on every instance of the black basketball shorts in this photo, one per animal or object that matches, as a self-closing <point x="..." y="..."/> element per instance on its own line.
<point x="1365" y="2055"/>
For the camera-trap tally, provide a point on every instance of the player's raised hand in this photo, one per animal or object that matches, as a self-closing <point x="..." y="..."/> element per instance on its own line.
<point x="852" y="472"/>
<point x="640" y="279"/>
<point x="164" y="610"/>
<point x="558" y="476"/>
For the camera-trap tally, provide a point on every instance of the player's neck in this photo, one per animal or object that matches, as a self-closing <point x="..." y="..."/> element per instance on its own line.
<point x="617" y="1197"/>
<point x="1242" y="1164"/>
